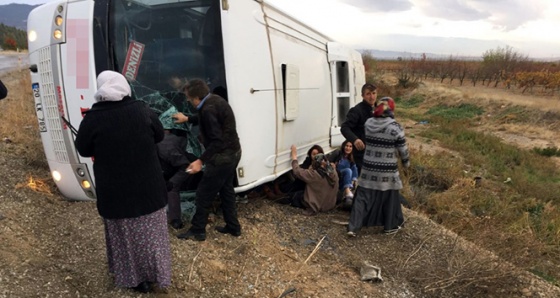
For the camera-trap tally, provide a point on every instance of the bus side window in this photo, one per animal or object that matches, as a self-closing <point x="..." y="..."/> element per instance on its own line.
<point x="342" y="90"/>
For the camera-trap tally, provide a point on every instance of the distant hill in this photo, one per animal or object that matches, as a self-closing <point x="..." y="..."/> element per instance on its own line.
<point x="15" y="15"/>
<point x="391" y="55"/>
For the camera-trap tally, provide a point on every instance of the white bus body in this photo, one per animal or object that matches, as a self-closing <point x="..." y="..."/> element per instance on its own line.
<point x="287" y="83"/>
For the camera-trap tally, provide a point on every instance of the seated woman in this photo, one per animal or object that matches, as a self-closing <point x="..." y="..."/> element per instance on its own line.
<point x="311" y="153"/>
<point x="347" y="170"/>
<point x="298" y="184"/>
<point x="321" y="184"/>
<point x="287" y="184"/>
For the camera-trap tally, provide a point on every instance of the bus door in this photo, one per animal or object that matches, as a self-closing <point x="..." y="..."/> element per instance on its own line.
<point x="341" y="99"/>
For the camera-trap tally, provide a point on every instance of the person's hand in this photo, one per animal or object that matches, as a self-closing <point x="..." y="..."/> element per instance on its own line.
<point x="194" y="167"/>
<point x="294" y="152"/>
<point x="180" y="117"/>
<point x="359" y="145"/>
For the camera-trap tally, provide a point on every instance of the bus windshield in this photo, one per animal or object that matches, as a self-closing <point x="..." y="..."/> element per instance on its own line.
<point x="157" y="41"/>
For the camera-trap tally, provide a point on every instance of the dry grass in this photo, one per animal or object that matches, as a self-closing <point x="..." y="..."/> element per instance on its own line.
<point x="44" y="186"/>
<point x="521" y="214"/>
<point x="18" y="121"/>
<point x="56" y="248"/>
<point x="19" y="130"/>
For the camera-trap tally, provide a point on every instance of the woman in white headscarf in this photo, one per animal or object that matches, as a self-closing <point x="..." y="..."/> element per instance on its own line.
<point x="120" y="134"/>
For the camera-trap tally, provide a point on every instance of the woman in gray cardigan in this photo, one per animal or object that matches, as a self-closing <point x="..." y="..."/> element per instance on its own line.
<point x="377" y="200"/>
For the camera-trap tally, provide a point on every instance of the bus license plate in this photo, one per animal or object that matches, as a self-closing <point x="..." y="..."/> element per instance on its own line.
<point x="39" y="108"/>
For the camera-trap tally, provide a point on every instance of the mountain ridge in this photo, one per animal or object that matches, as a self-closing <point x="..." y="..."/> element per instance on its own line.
<point x="15" y="15"/>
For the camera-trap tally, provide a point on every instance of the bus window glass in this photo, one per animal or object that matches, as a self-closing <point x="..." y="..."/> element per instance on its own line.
<point x="156" y="41"/>
<point x="342" y="84"/>
<point x="343" y="104"/>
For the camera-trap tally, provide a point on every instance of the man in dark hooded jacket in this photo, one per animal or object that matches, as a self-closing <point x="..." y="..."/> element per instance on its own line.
<point x="3" y="90"/>
<point x="353" y="127"/>
<point x="222" y="152"/>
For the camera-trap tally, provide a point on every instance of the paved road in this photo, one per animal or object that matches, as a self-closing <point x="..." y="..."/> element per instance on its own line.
<point x="13" y="61"/>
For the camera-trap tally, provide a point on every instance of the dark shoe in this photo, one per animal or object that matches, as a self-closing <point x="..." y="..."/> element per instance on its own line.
<point x="268" y="192"/>
<point x="227" y="230"/>
<point x="143" y="287"/>
<point x="177" y="224"/>
<point x="347" y="203"/>
<point x="190" y="235"/>
<point x="309" y="212"/>
<point x="242" y="200"/>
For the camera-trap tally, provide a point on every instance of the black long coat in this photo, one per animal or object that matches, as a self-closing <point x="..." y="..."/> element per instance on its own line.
<point x="121" y="137"/>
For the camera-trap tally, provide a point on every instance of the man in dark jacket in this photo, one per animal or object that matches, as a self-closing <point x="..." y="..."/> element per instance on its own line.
<point x="353" y="128"/>
<point x="221" y="155"/>
<point x="3" y="90"/>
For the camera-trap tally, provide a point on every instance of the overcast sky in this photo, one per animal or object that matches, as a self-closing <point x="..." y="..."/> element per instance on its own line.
<point x="449" y="27"/>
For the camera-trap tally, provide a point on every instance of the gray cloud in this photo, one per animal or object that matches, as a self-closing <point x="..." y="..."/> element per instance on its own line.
<point x="509" y="15"/>
<point x="506" y="15"/>
<point x="380" y="5"/>
<point x="455" y="10"/>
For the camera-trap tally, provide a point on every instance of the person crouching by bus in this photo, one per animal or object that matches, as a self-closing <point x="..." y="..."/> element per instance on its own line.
<point x="174" y="162"/>
<point x="3" y="90"/>
<point x="121" y="135"/>
<point x="295" y="185"/>
<point x="221" y="155"/>
<point x="321" y="184"/>
<point x="377" y="200"/>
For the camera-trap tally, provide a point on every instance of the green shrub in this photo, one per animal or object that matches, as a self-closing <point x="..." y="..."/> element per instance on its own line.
<point x="548" y="151"/>
<point x="462" y="111"/>
<point x="413" y="102"/>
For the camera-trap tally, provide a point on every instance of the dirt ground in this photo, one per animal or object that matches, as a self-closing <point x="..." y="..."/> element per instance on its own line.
<point x="54" y="248"/>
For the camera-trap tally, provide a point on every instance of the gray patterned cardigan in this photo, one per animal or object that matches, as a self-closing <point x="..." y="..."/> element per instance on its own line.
<point x="385" y="143"/>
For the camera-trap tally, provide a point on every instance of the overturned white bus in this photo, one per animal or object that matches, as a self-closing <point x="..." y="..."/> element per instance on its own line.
<point x="287" y="83"/>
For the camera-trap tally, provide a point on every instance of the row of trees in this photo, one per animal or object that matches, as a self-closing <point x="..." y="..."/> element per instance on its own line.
<point x="12" y="38"/>
<point x="501" y="67"/>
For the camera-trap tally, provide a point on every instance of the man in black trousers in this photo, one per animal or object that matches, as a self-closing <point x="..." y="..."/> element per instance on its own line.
<point x="353" y="128"/>
<point x="220" y="158"/>
<point x="3" y="90"/>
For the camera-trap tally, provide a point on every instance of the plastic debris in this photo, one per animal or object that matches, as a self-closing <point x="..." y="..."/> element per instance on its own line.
<point x="370" y="272"/>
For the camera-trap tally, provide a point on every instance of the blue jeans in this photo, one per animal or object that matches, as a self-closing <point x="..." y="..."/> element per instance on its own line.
<point x="347" y="173"/>
<point x="345" y="179"/>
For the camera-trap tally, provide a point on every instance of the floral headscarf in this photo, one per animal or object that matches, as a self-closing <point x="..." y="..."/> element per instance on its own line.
<point x="325" y="172"/>
<point x="384" y="107"/>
